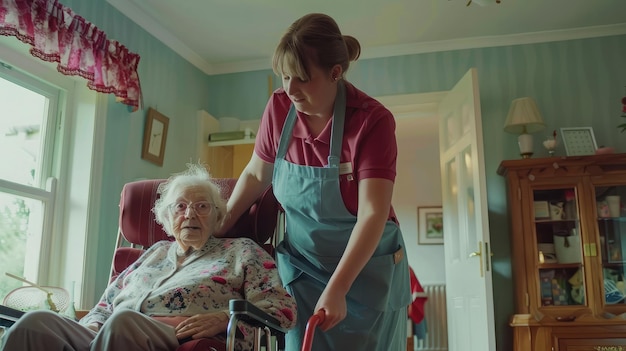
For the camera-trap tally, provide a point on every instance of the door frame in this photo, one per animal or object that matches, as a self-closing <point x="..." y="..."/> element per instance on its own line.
<point x="416" y="105"/>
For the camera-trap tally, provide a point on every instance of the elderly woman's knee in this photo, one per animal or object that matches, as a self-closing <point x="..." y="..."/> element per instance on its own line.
<point x="37" y="318"/>
<point x="124" y="319"/>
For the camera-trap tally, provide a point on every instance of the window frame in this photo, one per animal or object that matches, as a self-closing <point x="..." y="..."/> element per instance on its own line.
<point x="44" y="188"/>
<point x="79" y="152"/>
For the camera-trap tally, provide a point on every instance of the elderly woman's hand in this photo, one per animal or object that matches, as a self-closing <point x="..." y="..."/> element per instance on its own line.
<point x="202" y="325"/>
<point x="94" y="326"/>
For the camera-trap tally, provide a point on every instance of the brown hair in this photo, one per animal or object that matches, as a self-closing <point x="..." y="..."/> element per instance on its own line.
<point x="314" y="39"/>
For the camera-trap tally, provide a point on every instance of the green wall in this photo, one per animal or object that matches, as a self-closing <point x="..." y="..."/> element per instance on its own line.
<point x="575" y="83"/>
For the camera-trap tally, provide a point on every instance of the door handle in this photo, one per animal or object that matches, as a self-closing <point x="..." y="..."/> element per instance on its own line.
<point x="479" y="253"/>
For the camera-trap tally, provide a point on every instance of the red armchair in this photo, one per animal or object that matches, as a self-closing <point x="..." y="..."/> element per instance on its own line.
<point x="138" y="230"/>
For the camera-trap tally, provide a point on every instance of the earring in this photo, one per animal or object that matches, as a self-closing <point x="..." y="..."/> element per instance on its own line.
<point x="335" y="78"/>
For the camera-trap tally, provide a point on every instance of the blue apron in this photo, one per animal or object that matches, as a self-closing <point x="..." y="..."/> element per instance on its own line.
<point x="318" y="227"/>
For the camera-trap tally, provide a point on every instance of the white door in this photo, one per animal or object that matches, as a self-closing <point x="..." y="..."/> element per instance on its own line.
<point x="466" y="240"/>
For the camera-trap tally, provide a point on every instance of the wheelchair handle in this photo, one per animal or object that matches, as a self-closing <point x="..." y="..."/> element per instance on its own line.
<point x="315" y="319"/>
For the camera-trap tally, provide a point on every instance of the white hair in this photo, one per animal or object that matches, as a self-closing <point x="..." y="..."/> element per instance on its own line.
<point x="196" y="175"/>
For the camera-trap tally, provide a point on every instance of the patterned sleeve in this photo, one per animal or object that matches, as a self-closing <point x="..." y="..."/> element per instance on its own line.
<point x="263" y="287"/>
<point x="104" y="308"/>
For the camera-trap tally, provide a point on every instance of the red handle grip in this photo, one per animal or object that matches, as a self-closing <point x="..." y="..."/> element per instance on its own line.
<point x="315" y="319"/>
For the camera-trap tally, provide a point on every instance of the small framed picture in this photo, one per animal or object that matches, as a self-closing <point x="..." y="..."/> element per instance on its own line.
<point x="430" y="225"/>
<point x="154" y="137"/>
<point x="579" y="141"/>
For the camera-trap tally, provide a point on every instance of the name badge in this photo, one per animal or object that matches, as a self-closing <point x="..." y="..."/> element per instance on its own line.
<point x="345" y="168"/>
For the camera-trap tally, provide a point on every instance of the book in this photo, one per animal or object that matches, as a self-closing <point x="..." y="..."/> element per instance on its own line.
<point x="221" y="136"/>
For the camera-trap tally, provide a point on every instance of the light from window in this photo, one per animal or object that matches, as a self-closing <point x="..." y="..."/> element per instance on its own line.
<point x="28" y="110"/>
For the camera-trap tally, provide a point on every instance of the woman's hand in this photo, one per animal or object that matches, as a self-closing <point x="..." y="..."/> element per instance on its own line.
<point x="203" y="325"/>
<point x="94" y="326"/>
<point x="334" y="304"/>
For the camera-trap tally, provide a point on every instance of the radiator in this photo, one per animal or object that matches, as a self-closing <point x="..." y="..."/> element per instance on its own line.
<point x="436" y="320"/>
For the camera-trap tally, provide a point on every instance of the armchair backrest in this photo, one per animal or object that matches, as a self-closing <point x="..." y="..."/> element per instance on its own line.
<point x="138" y="229"/>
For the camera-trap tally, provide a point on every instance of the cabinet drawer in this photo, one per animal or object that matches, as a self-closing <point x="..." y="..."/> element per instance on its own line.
<point x="606" y="344"/>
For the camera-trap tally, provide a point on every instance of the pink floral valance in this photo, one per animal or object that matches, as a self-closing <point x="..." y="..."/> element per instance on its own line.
<point x="57" y="34"/>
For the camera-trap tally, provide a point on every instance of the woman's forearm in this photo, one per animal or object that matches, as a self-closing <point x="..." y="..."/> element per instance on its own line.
<point x="254" y="179"/>
<point x="374" y="203"/>
<point x="362" y="244"/>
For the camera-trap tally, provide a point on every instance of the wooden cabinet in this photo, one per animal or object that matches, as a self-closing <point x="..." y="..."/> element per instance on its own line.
<point x="568" y="240"/>
<point x="224" y="159"/>
<point x="227" y="161"/>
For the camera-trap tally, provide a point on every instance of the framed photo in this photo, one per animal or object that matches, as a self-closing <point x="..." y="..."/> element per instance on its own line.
<point x="430" y="225"/>
<point x="579" y="141"/>
<point x="154" y="137"/>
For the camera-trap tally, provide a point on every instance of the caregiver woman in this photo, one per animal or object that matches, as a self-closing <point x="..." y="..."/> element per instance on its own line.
<point x="329" y="150"/>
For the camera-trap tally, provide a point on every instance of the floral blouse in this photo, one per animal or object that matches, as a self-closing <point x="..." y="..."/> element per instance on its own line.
<point x="224" y="269"/>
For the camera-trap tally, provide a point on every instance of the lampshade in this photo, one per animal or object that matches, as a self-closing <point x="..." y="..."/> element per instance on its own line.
<point x="523" y="117"/>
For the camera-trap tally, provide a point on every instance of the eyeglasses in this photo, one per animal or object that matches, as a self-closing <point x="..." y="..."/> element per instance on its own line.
<point x="201" y="208"/>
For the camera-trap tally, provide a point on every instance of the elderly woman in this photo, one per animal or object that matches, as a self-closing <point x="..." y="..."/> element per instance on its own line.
<point x="176" y="290"/>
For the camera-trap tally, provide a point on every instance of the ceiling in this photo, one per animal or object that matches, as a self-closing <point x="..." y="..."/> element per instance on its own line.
<point x="225" y="36"/>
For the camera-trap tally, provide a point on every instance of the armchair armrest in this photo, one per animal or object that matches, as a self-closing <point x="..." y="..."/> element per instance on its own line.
<point x="242" y="310"/>
<point x="81" y="313"/>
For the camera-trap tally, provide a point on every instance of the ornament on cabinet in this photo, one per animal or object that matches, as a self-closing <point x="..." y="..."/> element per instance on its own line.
<point x="547" y="254"/>
<point x="578" y="289"/>
<point x="603" y="209"/>
<point x="567" y="247"/>
<point x="612" y="294"/>
<point x="570" y="205"/>
<point x="551" y="143"/>
<point x="605" y="150"/>
<point x="556" y="210"/>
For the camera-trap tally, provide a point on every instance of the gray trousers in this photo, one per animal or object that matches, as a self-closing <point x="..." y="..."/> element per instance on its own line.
<point x="124" y="330"/>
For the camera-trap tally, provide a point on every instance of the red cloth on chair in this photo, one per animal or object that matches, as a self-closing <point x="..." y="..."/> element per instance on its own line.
<point x="416" y="308"/>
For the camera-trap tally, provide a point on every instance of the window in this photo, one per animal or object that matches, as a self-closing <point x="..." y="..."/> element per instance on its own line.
<point x="64" y="227"/>
<point x="28" y="126"/>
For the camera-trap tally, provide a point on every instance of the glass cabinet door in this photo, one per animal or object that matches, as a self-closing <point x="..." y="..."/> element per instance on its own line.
<point x="559" y="247"/>
<point x="611" y="218"/>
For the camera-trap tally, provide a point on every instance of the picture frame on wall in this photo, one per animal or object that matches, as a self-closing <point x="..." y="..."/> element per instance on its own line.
<point x="430" y="225"/>
<point x="155" y="137"/>
<point x="579" y="141"/>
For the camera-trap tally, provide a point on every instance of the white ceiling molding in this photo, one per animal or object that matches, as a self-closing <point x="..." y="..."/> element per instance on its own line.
<point x="148" y="23"/>
<point x="135" y="14"/>
<point x="493" y="41"/>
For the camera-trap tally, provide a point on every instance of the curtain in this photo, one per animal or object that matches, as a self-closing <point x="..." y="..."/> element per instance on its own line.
<point x="56" y="34"/>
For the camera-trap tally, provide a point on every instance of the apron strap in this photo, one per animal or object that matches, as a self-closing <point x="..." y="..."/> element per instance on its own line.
<point x="285" y="135"/>
<point x="336" y="136"/>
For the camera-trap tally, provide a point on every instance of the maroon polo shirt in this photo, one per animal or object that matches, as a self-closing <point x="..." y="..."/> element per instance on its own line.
<point x="369" y="143"/>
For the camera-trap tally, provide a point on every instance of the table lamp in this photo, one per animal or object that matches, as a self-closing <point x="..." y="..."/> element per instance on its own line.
<point x="524" y="118"/>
